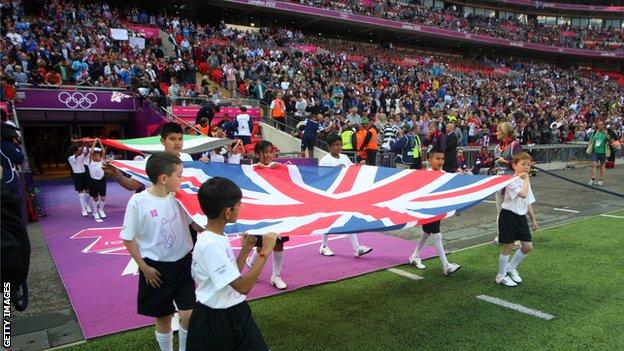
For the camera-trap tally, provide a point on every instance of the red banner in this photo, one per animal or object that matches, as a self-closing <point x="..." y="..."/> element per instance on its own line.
<point x="148" y="32"/>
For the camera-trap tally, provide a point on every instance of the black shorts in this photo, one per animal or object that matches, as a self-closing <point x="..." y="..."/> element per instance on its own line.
<point x="417" y="163"/>
<point x="177" y="285"/>
<point x="431" y="228"/>
<point x="307" y="144"/>
<point x="279" y="240"/>
<point x="512" y="227"/>
<point x="231" y="328"/>
<point x="97" y="187"/>
<point x="81" y="181"/>
<point x="246" y="139"/>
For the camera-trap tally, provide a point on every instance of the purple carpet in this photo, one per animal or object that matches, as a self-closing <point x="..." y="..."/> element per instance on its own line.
<point x="101" y="279"/>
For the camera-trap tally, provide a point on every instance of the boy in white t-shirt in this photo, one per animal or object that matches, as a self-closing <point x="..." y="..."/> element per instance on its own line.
<point x="512" y="222"/>
<point x="79" y="176"/>
<point x="436" y="162"/>
<point x="156" y="234"/>
<point x="335" y="159"/>
<point x="97" y="186"/>
<point x="221" y="318"/>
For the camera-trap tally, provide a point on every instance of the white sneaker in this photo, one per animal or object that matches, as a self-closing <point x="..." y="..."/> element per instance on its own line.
<point x="362" y="250"/>
<point x="326" y="251"/>
<point x="505" y="281"/>
<point x="592" y="182"/>
<point x="451" y="268"/>
<point x="97" y="217"/>
<point x="248" y="262"/>
<point x="277" y="282"/>
<point x="89" y="210"/>
<point x="84" y="212"/>
<point x="102" y="213"/>
<point x="513" y="274"/>
<point x="599" y="183"/>
<point x="415" y="260"/>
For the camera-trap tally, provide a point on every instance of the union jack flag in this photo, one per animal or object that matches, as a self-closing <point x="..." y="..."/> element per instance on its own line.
<point x="302" y="200"/>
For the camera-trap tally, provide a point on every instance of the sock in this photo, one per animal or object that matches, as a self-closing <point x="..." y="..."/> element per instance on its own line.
<point x="437" y="241"/>
<point x="277" y="262"/>
<point x="165" y="341"/>
<point x="502" y="265"/>
<point x="254" y="255"/>
<point x="324" y="238"/>
<point x="102" y="202"/>
<point x="518" y="257"/>
<point x="354" y="242"/>
<point x="421" y="244"/>
<point x="182" y="338"/>
<point x="83" y="204"/>
<point x="97" y="205"/>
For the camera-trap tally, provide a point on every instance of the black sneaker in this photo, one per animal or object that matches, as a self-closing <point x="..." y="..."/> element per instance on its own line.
<point x="20" y="298"/>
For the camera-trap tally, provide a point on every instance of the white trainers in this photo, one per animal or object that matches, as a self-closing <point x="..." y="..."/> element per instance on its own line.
<point x="505" y="281"/>
<point x="102" y="213"/>
<point x="513" y="274"/>
<point x="277" y="282"/>
<point x="415" y="260"/>
<point x="451" y="268"/>
<point x="599" y="182"/>
<point x="326" y="251"/>
<point x="84" y="212"/>
<point x="362" y="250"/>
<point x="89" y="210"/>
<point x="248" y="262"/>
<point x="97" y="217"/>
<point x="591" y="182"/>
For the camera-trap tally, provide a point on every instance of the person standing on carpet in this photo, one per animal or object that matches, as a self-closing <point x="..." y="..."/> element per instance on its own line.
<point x="97" y="187"/>
<point x="436" y="162"/>
<point x="221" y="318"/>
<point x="264" y="154"/>
<point x="156" y="234"/>
<point x="79" y="176"/>
<point x="335" y="159"/>
<point x="512" y="222"/>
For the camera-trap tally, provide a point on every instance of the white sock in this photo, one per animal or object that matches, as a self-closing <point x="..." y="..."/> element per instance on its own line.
<point x="324" y="238"/>
<point x="81" y="199"/>
<point x="165" y="341"/>
<point x="518" y="257"/>
<point x="354" y="242"/>
<point x="437" y="241"/>
<point x="102" y="203"/>
<point x="421" y="244"/>
<point x="254" y="255"/>
<point x="502" y="265"/>
<point x="182" y="339"/>
<point x="277" y="262"/>
<point x="97" y="205"/>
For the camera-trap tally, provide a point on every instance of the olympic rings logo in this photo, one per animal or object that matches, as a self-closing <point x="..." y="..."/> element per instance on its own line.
<point x="77" y="100"/>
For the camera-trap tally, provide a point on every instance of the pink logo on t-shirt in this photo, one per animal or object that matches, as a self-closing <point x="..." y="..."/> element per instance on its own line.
<point x="154" y="213"/>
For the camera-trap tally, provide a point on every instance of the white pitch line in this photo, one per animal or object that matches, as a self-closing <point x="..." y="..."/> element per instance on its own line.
<point x="489" y="201"/>
<point x="565" y="210"/>
<point x="516" y="307"/>
<point x="612" y="216"/>
<point x="405" y="274"/>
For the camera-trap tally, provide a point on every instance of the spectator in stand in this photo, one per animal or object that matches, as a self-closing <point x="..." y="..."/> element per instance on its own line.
<point x="278" y="110"/>
<point x="203" y="126"/>
<point x="599" y="145"/>
<point x="450" y="146"/>
<point x="311" y="128"/>
<point x="483" y="160"/>
<point x="244" y="126"/>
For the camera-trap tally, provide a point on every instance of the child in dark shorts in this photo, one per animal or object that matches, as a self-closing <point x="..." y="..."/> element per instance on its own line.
<point x="512" y="222"/>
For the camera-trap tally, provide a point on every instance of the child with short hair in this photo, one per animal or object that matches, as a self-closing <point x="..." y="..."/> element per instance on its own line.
<point x="156" y="234"/>
<point x="97" y="187"/>
<point x="221" y="318"/>
<point x="79" y="176"/>
<point x="336" y="159"/>
<point x="264" y="154"/>
<point x="436" y="161"/>
<point x="512" y="222"/>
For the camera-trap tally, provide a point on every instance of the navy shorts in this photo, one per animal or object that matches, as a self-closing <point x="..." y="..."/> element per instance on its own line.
<point x="431" y="228"/>
<point x="599" y="158"/>
<point x="307" y="144"/>
<point x="177" y="285"/>
<point x="279" y="240"/>
<point x="512" y="227"/>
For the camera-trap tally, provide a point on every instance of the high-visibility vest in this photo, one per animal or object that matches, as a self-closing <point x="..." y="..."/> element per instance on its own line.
<point x="373" y="143"/>
<point x="278" y="109"/>
<point x="416" y="152"/>
<point x="360" y="135"/>
<point x="346" y="140"/>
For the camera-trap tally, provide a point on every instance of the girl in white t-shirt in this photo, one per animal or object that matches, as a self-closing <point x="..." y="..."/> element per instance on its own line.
<point x="97" y="188"/>
<point x="80" y="178"/>
<point x="221" y="318"/>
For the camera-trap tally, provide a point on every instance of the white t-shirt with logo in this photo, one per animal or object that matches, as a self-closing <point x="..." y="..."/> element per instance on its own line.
<point x="243" y="124"/>
<point x="213" y="269"/>
<point x="95" y="170"/>
<point x="77" y="163"/>
<point x="159" y="225"/>
<point x="329" y="160"/>
<point x="515" y="203"/>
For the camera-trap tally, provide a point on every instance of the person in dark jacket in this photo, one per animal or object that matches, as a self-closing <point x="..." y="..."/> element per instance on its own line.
<point x="450" y="148"/>
<point x="208" y="111"/>
<point x="11" y="156"/>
